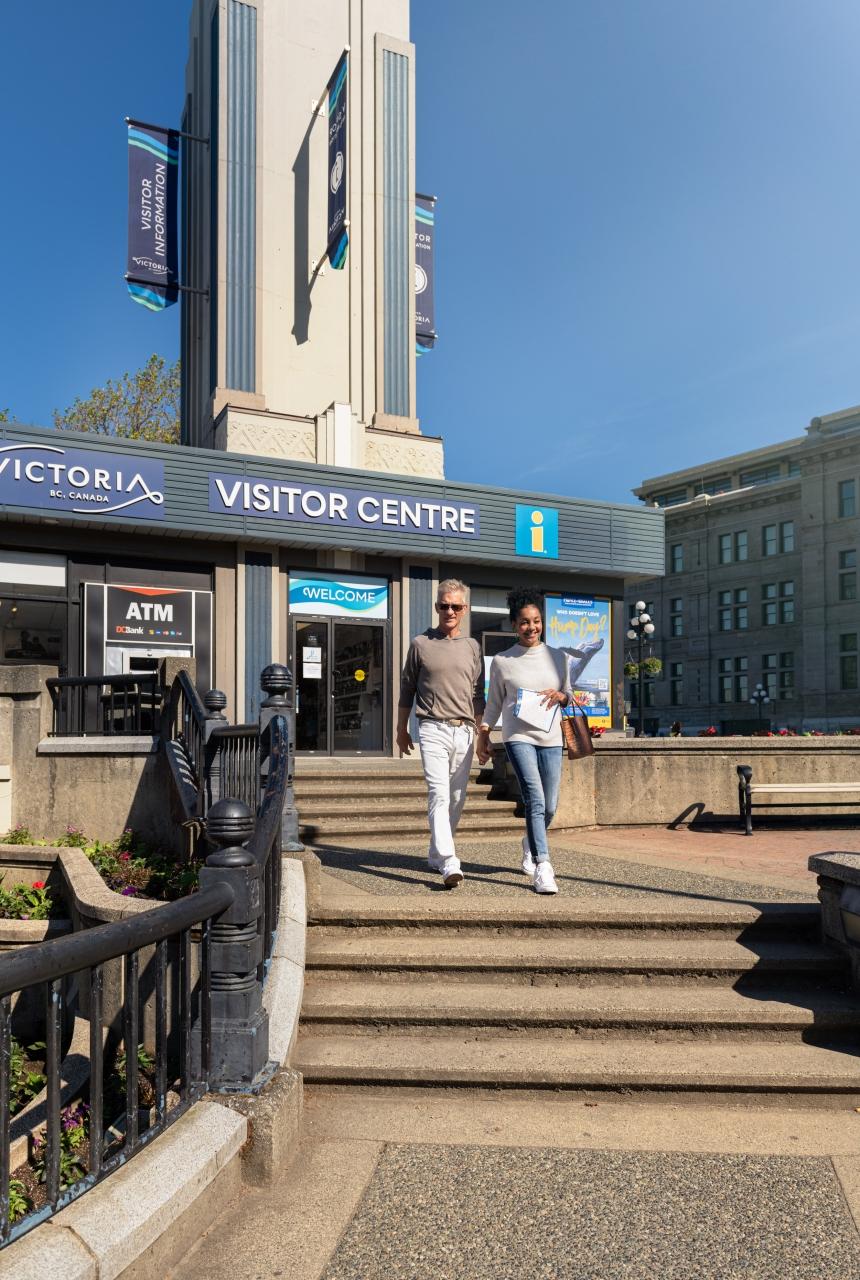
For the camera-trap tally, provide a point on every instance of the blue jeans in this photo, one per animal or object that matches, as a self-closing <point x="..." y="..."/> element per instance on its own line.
<point x="538" y="771"/>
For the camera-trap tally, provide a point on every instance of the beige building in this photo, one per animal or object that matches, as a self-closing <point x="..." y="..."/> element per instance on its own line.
<point x="287" y="357"/>
<point x="760" y="587"/>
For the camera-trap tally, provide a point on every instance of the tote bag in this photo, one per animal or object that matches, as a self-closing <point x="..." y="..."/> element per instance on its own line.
<point x="576" y="733"/>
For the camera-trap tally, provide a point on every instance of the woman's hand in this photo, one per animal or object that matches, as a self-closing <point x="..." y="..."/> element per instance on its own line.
<point x="553" y="697"/>
<point x="483" y="747"/>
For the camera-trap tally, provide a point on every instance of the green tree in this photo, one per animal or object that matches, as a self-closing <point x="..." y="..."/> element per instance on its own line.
<point x="4" y="415"/>
<point x="138" y="406"/>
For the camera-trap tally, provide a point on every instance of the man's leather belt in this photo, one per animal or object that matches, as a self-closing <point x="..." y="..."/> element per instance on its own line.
<point x="456" y="723"/>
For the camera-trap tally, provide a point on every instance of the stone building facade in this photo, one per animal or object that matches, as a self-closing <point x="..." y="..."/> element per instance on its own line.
<point x="761" y="586"/>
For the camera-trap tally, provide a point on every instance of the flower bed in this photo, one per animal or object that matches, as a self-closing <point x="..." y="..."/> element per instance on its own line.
<point x="27" y="1185"/>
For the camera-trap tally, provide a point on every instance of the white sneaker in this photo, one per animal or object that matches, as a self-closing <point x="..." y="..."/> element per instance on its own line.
<point x="528" y="861"/>
<point x="545" y="879"/>
<point x="452" y="876"/>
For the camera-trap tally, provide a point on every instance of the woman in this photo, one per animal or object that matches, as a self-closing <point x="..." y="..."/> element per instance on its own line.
<point x="535" y="753"/>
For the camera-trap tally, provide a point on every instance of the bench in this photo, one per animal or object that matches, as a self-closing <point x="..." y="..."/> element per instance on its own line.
<point x="747" y="789"/>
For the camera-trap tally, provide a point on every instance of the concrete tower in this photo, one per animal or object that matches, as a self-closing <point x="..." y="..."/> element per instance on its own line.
<point x="287" y="357"/>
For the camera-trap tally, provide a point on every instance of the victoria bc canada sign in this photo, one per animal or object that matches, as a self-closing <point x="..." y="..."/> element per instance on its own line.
<point x="81" y="481"/>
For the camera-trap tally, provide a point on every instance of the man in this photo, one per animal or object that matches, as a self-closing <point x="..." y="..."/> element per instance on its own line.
<point x="444" y="676"/>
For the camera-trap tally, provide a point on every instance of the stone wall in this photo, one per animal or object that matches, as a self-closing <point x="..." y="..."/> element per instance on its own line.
<point x="673" y="780"/>
<point x="99" y="784"/>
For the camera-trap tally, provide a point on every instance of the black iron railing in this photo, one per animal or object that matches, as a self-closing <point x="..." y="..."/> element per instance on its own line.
<point x="182" y="989"/>
<point x="233" y="763"/>
<point x="85" y="706"/>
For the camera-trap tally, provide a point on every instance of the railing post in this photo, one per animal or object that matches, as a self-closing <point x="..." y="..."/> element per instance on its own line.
<point x="240" y="1024"/>
<point x="276" y="681"/>
<point x="214" y="701"/>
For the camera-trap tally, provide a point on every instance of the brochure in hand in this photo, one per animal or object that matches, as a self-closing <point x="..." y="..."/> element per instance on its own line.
<point x="530" y="709"/>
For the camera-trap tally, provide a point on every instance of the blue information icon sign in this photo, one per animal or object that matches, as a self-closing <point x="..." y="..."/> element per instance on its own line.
<point x="537" y="532"/>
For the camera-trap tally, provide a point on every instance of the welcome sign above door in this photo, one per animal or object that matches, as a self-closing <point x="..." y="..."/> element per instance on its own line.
<point x="328" y="596"/>
<point x="352" y="508"/>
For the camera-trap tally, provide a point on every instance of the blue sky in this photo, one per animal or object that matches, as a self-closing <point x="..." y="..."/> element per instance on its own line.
<point x="647" y="223"/>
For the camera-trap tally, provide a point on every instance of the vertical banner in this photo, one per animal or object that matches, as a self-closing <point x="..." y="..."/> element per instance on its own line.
<point x="581" y="627"/>
<point x="425" y="305"/>
<point x="338" y="235"/>
<point x="153" y="224"/>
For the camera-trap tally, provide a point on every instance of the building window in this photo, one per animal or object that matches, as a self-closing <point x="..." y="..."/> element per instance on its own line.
<point x="848" y="661"/>
<point x="676" y="683"/>
<point x="786" y="536"/>
<point x="777" y="672"/>
<point x="847" y="575"/>
<point x="670" y="499"/>
<point x="733" y="546"/>
<point x="786" y="602"/>
<point x="676" y="557"/>
<point x="722" y="484"/>
<point x="33" y="608"/>
<point x="794" y="468"/>
<point x="847" y="498"/>
<point x="648" y="686"/>
<point x="777" y="603"/>
<point x="732" y="680"/>
<point x="676" y="616"/>
<point x="734" y="610"/>
<point x="760" y="475"/>
<point x="769" y="543"/>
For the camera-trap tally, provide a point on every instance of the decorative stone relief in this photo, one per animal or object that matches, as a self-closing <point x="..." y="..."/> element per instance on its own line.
<point x="404" y="455"/>
<point x="294" y="442"/>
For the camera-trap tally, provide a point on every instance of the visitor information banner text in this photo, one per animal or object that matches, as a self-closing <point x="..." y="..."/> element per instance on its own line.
<point x="425" y="307"/>
<point x="338" y="236"/>
<point x="153" y="228"/>
<point x="581" y="626"/>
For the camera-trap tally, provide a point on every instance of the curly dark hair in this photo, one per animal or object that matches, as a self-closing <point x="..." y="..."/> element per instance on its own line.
<point x="520" y="597"/>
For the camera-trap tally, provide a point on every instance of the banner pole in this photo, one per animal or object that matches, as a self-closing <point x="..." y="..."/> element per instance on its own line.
<point x="143" y="124"/>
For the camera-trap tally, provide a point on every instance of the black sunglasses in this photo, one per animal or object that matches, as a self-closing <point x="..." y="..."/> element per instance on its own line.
<point x="455" y="608"/>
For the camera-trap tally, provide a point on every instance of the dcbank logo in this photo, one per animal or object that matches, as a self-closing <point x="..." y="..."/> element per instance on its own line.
<point x="336" y="173"/>
<point x="537" y="532"/>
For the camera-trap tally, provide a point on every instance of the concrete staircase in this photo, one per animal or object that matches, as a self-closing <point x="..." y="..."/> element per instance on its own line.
<point x="731" y="1001"/>
<point x="345" y="802"/>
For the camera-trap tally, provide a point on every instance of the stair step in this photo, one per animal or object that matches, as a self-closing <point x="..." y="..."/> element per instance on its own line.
<point x="412" y="1007"/>
<point x="582" y="959"/>
<point x="734" y="1069"/>
<point x="457" y="914"/>
<point x="414" y="807"/>
<point x="404" y="824"/>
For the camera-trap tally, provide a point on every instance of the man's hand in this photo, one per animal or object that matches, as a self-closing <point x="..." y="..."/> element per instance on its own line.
<point x="483" y="747"/>
<point x="404" y="741"/>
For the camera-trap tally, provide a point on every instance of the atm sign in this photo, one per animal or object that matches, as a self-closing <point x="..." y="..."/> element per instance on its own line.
<point x="148" y="615"/>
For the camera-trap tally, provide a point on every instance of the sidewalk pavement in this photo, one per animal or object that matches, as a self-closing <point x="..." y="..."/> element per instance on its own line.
<point x="719" y="863"/>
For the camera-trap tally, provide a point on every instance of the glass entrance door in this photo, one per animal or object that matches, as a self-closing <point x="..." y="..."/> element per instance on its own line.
<point x="311" y="668"/>
<point x="340" y="686"/>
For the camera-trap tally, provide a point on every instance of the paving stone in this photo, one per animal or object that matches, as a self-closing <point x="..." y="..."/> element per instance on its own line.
<point x="492" y="867"/>
<point x="470" y="1213"/>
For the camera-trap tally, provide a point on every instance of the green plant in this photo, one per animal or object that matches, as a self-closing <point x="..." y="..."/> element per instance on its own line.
<point x="652" y="666"/>
<point x="24" y="1082"/>
<point x="73" y="838"/>
<point x="25" y="902"/>
<point x="631" y="670"/>
<point x="18" y="835"/>
<point x="74" y="1132"/>
<point x="19" y="1202"/>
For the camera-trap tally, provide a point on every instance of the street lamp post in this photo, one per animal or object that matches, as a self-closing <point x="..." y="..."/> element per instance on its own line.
<point x="641" y="629"/>
<point x="760" y="698"/>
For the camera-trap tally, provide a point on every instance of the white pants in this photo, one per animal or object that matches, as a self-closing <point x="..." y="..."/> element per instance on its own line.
<point x="446" y="754"/>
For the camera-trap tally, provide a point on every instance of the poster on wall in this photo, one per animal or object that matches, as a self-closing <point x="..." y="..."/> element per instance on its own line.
<point x="581" y="627"/>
